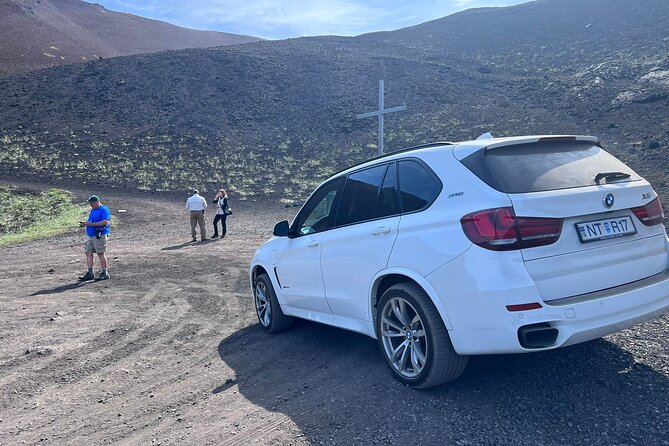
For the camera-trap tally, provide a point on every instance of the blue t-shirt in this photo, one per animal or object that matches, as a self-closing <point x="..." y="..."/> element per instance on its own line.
<point x="96" y="215"/>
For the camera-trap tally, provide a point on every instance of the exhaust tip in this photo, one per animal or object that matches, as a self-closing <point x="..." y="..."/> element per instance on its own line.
<point x="537" y="335"/>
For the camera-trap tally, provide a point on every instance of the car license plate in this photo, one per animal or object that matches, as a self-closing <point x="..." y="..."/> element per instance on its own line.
<point x="605" y="229"/>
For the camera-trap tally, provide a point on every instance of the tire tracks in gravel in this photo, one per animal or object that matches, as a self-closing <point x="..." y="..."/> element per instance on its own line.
<point x="143" y="345"/>
<point x="106" y="348"/>
<point x="169" y="313"/>
<point x="203" y="301"/>
<point x="163" y="317"/>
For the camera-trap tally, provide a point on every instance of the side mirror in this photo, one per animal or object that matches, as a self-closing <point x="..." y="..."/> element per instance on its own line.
<point x="281" y="229"/>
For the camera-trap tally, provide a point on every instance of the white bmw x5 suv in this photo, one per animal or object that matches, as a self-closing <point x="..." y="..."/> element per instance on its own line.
<point x="497" y="245"/>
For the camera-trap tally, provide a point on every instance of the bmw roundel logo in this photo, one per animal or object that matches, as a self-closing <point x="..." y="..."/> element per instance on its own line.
<point x="608" y="200"/>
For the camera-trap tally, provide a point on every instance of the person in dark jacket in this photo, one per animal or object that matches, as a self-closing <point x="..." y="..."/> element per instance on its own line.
<point x="222" y="211"/>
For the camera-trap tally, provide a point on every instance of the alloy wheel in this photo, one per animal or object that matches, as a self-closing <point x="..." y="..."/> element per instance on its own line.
<point x="263" y="307"/>
<point x="404" y="338"/>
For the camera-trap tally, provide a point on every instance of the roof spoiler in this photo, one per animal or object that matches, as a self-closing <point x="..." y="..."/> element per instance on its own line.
<point x="592" y="139"/>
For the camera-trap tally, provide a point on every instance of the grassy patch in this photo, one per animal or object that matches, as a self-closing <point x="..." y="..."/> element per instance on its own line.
<point x="26" y="216"/>
<point x="166" y="163"/>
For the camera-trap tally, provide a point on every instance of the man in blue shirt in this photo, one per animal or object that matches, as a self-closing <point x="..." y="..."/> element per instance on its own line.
<point x="97" y="229"/>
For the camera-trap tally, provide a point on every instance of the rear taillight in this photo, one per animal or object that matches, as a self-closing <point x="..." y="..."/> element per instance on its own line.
<point x="650" y="214"/>
<point x="500" y="230"/>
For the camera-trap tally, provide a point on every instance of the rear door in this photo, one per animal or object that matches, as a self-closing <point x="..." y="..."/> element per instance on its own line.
<point x="359" y="246"/>
<point x="605" y="241"/>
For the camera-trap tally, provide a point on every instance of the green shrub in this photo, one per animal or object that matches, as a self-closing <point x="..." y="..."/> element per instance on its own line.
<point x="28" y="215"/>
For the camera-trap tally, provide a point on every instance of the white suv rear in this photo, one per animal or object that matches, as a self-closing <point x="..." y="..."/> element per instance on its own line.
<point x="499" y="245"/>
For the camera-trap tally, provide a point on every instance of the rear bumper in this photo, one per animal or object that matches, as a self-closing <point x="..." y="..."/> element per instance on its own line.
<point x="481" y="324"/>
<point x="594" y="315"/>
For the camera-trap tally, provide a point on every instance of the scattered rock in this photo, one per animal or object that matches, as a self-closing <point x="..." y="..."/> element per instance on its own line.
<point x="650" y="98"/>
<point x="484" y="69"/>
<point x="38" y="351"/>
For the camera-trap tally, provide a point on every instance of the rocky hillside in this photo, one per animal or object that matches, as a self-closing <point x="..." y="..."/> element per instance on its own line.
<point x="274" y="118"/>
<point x="43" y="33"/>
<point x="611" y="52"/>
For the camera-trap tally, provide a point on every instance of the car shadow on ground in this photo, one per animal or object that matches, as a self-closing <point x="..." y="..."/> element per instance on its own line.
<point x="334" y="384"/>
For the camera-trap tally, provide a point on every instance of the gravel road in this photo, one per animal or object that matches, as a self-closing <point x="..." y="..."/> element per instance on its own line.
<point x="169" y="352"/>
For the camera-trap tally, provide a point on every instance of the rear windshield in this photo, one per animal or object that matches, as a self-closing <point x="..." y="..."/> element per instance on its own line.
<point x="548" y="165"/>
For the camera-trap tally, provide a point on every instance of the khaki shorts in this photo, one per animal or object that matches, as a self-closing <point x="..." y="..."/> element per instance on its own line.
<point x="96" y="245"/>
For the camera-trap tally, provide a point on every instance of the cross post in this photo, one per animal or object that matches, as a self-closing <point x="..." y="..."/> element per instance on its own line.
<point x="380" y="112"/>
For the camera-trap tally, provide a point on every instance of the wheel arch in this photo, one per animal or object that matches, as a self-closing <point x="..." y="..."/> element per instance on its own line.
<point x="388" y="278"/>
<point x="258" y="269"/>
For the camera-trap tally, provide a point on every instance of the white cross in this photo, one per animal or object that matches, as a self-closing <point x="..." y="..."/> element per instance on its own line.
<point x="380" y="112"/>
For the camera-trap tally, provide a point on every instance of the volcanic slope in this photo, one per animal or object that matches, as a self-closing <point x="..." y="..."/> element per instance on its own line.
<point x="275" y="118"/>
<point x="42" y="33"/>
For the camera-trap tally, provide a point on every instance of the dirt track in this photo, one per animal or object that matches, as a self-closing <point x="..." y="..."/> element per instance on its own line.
<point x="169" y="352"/>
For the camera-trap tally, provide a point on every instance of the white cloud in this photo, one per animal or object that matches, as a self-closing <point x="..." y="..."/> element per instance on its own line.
<point x="462" y="3"/>
<point x="293" y="18"/>
<point x="296" y="17"/>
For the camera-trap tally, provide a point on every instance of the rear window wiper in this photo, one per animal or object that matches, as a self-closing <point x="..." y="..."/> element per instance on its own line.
<point x="608" y="176"/>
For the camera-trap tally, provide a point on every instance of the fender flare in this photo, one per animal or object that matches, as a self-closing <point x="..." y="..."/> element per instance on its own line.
<point x="420" y="280"/>
<point x="272" y="277"/>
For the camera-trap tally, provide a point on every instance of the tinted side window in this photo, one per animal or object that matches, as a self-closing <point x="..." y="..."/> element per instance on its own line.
<point x="388" y="199"/>
<point x="360" y="194"/>
<point x="315" y="216"/>
<point x="418" y="188"/>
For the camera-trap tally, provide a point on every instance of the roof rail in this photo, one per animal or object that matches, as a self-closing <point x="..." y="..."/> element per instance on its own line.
<point x="408" y="149"/>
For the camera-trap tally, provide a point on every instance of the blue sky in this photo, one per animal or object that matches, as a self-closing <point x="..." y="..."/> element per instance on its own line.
<point x="280" y="19"/>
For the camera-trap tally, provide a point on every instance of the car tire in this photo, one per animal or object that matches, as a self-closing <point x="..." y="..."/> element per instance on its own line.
<point x="268" y="310"/>
<point x="414" y="340"/>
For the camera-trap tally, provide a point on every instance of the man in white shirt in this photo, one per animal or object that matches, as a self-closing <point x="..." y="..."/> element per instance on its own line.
<point x="196" y="204"/>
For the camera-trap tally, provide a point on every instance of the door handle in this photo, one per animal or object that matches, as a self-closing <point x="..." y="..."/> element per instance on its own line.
<point x="313" y="244"/>
<point x="381" y="231"/>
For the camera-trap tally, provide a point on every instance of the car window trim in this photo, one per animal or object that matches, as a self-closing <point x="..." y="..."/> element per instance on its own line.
<point x="430" y="172"/>
<point x="332" y="218"/>
<point x="293" y="233"/>
<point x="378" y="192"/>
<point x="391" y="165"/>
